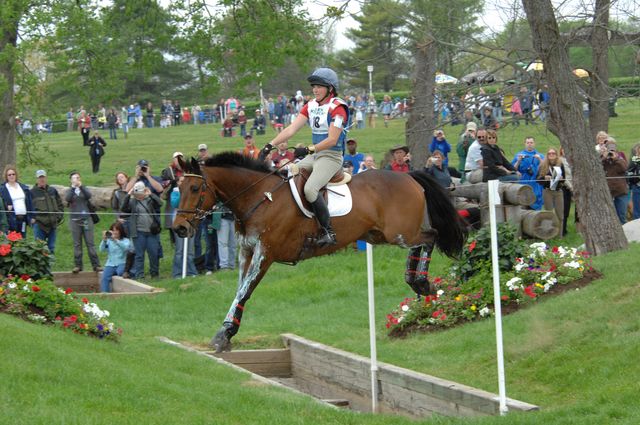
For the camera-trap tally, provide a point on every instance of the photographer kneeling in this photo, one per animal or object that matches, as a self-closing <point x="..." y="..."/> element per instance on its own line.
<point x="615" y="168"/>
<point x="117" y="245"/>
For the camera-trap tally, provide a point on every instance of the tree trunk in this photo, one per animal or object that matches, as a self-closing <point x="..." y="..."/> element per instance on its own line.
<point x="421" y="121"/>
<point x="9" y="19"/>
<point x="602" y="231"/>
<point x="599" y="88"/>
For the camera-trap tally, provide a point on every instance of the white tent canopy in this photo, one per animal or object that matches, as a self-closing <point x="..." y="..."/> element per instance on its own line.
<point x="445" y="79"/>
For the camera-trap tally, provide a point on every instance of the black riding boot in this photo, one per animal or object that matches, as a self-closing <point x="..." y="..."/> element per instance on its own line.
<point x="321" y="211"/>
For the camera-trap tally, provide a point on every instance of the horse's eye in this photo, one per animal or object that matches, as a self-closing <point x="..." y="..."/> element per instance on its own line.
<point x="195" y="188"/>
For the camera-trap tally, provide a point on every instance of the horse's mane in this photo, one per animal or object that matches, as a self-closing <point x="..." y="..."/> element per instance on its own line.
<point x="233" y="159"/>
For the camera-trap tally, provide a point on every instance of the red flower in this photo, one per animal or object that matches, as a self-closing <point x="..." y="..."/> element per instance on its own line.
<point x="85" y="300"/>
<point x="388" y="325"/>
<point x="472" y="246"/>
<point x="437" y="280"/>
<point x="504" y="297"/>
<point x="437" y="313"/>
<point x="529" y="291"/>
<point x="25" y="277"/>
<point x="555" y="250"/>
<point x="14" y="236"/>
<point x="35" y="288"/>
<point x="5" y="249"/>
<point x="68" y="291"/>
<point x="73" y="318"/>
<point x="58" y="318"/>
<point x="443" y="317"/>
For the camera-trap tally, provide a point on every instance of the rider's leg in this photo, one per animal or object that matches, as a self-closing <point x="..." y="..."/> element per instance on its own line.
<point x="325" y="165"/>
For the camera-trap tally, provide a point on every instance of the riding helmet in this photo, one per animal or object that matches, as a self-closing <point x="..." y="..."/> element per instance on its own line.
<point x="326" y="77"/>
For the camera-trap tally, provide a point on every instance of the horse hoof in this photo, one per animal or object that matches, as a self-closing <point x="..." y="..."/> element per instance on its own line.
<point x="220" y="342"/>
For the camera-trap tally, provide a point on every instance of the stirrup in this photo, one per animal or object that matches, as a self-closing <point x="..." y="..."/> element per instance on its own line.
<point x="327" y="239"/>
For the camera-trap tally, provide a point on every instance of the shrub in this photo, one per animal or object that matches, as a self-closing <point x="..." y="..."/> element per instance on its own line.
<point x="478" y="251"/>
<point x="20" y="256"/>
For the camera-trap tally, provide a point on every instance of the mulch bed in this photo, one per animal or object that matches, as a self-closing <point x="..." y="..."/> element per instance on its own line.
<point x="512" y="307"/>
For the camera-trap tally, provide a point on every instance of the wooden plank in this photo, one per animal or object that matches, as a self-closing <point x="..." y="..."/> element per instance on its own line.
<point x="257" y="356"/>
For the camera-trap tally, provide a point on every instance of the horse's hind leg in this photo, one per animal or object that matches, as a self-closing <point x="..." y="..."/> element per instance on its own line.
<point x="417" y="270"/>
<point x="251" y="275"/>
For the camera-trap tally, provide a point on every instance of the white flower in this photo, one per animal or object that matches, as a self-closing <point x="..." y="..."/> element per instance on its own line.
<point x="12" y="285"/>
<point x="545" y="276"/>
<point x="94" y="310"/>
<point x="405" y="308"/>
<point x="400" y="319"/>
<point x="512" y="284"/>
<point x="26" y="288"/>
<point x="440" y="292"/>
<point x="518" y="267"/>
<point x="572" y="264"/>
<point x="484" y="311"/>
<point x="60" y="290"/>
<point x="538" y="245"/>
<point x="37" y="318"/>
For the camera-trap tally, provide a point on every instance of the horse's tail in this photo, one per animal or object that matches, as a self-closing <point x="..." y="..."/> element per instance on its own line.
<point x="452" y="233"/>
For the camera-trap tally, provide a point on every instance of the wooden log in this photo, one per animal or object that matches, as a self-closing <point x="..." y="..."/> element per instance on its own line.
<point x="510" y="193"/>
<point x="100" y="196"/>
<point x="540" y="224"/>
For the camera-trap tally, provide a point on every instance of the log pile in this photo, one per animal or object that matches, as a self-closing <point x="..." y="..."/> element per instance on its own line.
<point x="100" y="196"/>
<point x="515" y="198"/>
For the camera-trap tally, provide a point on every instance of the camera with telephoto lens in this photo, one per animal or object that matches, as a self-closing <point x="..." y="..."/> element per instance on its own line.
<point x="611" y="154"/>
<point x="144" y="169"/>
<point x="108" y="234"/>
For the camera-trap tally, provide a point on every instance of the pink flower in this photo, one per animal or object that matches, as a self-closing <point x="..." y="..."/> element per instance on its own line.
<point x="5" y="250"/>
<point x="14" y="236"/>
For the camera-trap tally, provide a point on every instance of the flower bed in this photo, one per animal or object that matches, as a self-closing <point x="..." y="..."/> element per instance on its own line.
<point x="541" y="270"/>
<point x="42" y="302"/>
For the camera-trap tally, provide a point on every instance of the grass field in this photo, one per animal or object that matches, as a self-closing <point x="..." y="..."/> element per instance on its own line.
<point x="575" y="355"/>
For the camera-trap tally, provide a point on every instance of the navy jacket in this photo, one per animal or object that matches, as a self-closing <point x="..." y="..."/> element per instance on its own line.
<point x="6" y="198"/>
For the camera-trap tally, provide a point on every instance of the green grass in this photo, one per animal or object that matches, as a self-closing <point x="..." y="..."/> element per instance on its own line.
<point x="575" y="355"/>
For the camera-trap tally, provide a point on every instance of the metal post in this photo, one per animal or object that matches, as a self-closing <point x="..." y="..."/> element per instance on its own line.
<point x="372" y="331"/>
<point x="370" y="70"/>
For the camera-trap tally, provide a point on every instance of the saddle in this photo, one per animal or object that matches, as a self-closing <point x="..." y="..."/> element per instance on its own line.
<point x="336" y="193"/>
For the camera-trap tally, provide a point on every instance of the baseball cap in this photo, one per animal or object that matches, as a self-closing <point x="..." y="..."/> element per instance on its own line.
<point x="472" y="126"/>
<point x="177" y="154"/>
<point x="143" y="163"/>
<point x="202" y="147"/>
<point x="138" y="187"/>
<point x="352" y="141"/>
<point x="248" y="136"/>
<point x="41" y="173"/>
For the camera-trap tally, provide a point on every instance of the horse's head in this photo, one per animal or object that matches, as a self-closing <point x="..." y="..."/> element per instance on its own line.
<point x="196" y="198"/>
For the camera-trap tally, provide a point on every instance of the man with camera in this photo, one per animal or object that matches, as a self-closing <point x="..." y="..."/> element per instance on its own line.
<point x="143" y="174"/>
<point x="615" y="168"/>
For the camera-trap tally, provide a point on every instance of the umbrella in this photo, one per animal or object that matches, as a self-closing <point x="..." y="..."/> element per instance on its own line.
<point x="479" y="77"/>
<point x="445" y="79"/>
<point x="581" y="73"/>
<point x="535" y="66"/>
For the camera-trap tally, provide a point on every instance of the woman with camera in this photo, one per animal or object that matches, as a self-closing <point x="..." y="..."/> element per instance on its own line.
<point x="552" y="175"/>
<point x="116" y="245"/>
<point x="615" y="169"/>
<point x="78" y="199"/>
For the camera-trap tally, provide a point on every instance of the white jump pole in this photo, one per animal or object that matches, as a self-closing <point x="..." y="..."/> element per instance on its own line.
<point x="372" y="331"/>
<point x="494" y="199"/>
<point x="185" y="247"/>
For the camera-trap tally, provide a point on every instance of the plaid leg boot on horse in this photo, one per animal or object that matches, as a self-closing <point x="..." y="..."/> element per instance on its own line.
<point x="321" y="211"/>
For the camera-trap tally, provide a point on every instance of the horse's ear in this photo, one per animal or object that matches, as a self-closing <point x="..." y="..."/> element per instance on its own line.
<point x="183" y="165"/>
<point x="194" y="166"/>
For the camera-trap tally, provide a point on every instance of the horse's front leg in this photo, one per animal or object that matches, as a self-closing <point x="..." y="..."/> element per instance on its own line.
<point x="253" y="265"/>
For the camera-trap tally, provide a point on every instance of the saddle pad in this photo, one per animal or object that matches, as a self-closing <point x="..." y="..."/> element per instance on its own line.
<point x="338" y="198"/>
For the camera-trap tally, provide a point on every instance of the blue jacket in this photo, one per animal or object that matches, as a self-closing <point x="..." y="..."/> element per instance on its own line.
<point x="11" y="216"/>
<point x="442" y="146"/>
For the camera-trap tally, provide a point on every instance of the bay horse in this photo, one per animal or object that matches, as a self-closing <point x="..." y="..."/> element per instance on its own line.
<point x="388" y="207"/>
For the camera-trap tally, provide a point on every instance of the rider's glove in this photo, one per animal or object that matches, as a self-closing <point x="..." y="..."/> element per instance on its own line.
<point x="265" y="151"/>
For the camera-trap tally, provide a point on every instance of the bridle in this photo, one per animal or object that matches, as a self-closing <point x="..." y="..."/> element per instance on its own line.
<point x="198" y="212"/>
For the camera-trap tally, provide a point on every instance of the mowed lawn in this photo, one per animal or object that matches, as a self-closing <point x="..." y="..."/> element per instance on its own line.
<point x="575" y="355"/>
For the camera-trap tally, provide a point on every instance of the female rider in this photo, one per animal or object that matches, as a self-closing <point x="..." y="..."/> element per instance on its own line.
<point x="327" y="116"/>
